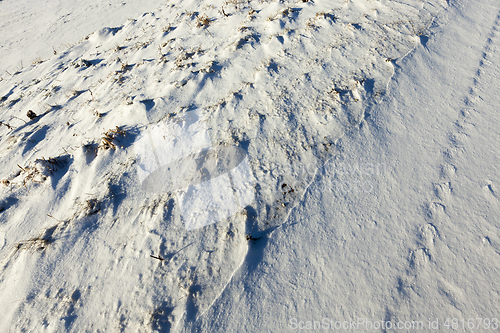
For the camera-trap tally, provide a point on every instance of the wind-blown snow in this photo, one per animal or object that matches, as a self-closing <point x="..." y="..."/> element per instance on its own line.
<point x="245" y="166"/>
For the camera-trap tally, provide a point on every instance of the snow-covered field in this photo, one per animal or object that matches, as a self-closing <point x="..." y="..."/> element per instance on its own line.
<point x="249" y="166"/>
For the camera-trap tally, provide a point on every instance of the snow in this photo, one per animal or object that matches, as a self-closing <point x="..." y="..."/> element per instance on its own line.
<point x="248" y="166"/>
<point x="33" y="29"/>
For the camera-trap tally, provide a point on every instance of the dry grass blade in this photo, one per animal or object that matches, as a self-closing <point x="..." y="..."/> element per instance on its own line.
<point x="203" y="21"/>
<point x="110" y="137"/>
<point x="6" y="125"/>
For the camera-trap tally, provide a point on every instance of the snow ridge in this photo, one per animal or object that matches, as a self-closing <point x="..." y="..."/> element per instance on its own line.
<point x="286" y="81"/>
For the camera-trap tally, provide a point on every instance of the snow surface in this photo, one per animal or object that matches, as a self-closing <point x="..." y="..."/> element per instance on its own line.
<point x="256" y="166"/>
<point x="32" y="30"/>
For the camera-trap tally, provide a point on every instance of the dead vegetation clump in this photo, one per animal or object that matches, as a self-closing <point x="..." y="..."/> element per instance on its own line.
<point x="32" y="173"/>
<point x="36" y="172"/>
<point x="236" y="4"/>
<point x="209" y="67"/>
<point x="110" y="138"/>
<point x="81" y="63"/>
<point x="162" y="55"/>
<point x="91" y="206"/>
<point x="125" y="67"/>
<point x="287" y="11"/>
<point x="39" y="243"/>
<point x="38" y="60"/>
<point x="182" y="62"/>
<point x="118" y="75"/>
<point x="325" y="15"/>
<point x="166" y="29"/>
<point x="6" y="125"/>
<point x="91" y="148"/>
<point x="51" y="165"/>
<point x="251" y="38"/>
<point x="160" y="50"/>
<point x="244" y="29"/>
<point x="142" y="45"/>
<point x="284" y="13"/>
<point x="44" y="239"/>
<point x="51" y="92"/>
<point x="202" y="21"/>
<point x="312" y="22"/>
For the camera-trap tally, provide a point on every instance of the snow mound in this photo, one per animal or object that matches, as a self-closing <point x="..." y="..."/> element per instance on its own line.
<point x="280" y="83"/>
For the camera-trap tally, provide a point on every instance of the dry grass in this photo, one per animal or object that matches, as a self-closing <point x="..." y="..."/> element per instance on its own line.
<point x="237" y="4"/>
<point x="167" y="29"/>
<point x="52" y="91"/>
<point x="51" y="165"/>
<point x="162" y="55"/>
<point x="6" y="125"/>
<point x="31" y="173"/>
<point x="110" y="137"/>
<point x="244" y="28"/>
<point x="311" y="23"/>
<point x="182" y="59"/>
<point x="91" y="148"/>
<point x="38" y="60"/>
<point x="91" y="206"/>
<point x="232" y="6"/>
<point x="202" y="21"/>
<point x="118" y="75"/>
<point x="142" y="45"/>
<point x="35" y="172"/>
<point x="34" y="244"/>
<point x="44" y="239"/>
<point x="38" y="171"/>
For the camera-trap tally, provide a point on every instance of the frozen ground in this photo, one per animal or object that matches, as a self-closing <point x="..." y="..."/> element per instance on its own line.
<point x="261" y="166"/>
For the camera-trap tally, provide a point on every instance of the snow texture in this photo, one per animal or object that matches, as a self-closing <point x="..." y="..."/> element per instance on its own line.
<point x="232" y="166"/>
